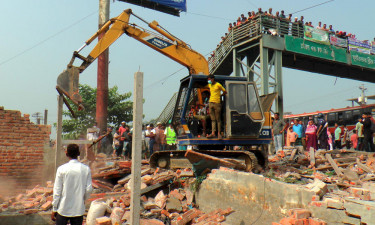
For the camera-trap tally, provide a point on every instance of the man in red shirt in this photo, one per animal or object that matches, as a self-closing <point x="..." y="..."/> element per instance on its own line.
<point x="354" y="139"/>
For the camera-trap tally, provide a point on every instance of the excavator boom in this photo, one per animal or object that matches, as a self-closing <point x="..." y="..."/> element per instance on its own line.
<point x="162" y="41"/>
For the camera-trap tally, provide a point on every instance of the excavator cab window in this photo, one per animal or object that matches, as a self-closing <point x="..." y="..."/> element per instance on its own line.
<point x="244" y="115"/>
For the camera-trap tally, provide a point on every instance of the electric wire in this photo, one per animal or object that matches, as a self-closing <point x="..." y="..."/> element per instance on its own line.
<point x="47" y="39"/>
<point x="313" y="6"/>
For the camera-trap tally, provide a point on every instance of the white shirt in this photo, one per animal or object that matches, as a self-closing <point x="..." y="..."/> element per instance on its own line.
<point x="72" y="187"/>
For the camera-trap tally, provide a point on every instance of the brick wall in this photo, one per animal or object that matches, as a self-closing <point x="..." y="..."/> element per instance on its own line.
<point x="23" y="147"/>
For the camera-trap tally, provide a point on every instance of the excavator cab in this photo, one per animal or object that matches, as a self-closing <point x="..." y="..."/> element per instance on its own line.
<point x="246" y="127"/>
<point x="242" y="113"/>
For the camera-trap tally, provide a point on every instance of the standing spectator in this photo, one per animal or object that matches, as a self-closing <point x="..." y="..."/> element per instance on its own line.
<point x="354" y="139"/>
<point x="278" y="127"/>
<point x="325" y="27"/>
<point x="150" y="133"/>
<point x="282" y="15"/>
<point x="230" y="27"/>
<point x="311" y="136"/>
<point x="215" y="105"/>
<point x="238" y="21"/>
<point x="330" y="30"/>
<point x="368" y="144"/>
<point x="270" y="12"/>
<point x="322" y="132"/>
<point x="92" y="135"/>
<point x="170" y="136"/>
<point x="337" y="136"/>
<point x="292" y="136"/>
<point x="298" y="129"/>
<point x="359" y="129"/>
<point x="144" y="145"/>
<point x="158" y="136"/>
<point x="288" y="133"/>
<point x="330" y="140"/>
<point x="319" y="25"/>
<point x="243" y="18"/>
<point x="303" y="133"/>
<point x="344" y="137"/>
<point x="234" y="24"/>
<point x="122" y="127"/>
<point x="117" y="143"/>
<point x="106" y="142"/>
<point x="72" y="187"/>
<point x="290" y="17"/>
<point x="127" y="138"/>
<point x="260" y="12"/>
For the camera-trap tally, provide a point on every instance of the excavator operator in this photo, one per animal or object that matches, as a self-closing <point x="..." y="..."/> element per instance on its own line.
<point x="216" y="91"/>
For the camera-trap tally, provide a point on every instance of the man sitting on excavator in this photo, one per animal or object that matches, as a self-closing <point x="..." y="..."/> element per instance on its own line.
<point x="216" y="91"/>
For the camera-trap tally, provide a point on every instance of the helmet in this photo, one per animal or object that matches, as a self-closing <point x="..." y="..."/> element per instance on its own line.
<point x="320" y="115"/>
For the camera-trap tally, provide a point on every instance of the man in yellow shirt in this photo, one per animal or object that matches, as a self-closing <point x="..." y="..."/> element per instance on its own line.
<point x="215" y="105"/>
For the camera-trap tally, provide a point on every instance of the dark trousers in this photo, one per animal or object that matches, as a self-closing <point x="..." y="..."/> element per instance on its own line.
<point x="338" y="144"/>
<point x="63" y="220"/>
<point x="368" y="145"/>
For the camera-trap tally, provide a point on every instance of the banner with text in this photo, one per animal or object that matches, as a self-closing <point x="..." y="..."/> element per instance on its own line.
<point x="359" y="46"/>
<point x="341" y="42"/>
<point x="316" y="35"/>
<point x="310" y="48"/>
<point x="363" y="59"/>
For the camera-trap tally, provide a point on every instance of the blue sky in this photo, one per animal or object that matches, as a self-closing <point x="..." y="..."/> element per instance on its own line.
<point x="39" y="37"/>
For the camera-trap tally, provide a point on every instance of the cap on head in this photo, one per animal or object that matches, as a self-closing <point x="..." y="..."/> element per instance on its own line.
<point x="158" y="123"/>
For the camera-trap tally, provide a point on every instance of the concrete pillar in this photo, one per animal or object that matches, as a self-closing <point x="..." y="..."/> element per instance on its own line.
<point x="264" y="86"/>
<point x="58" y="150"/>
<point x="279" y="83"/>
<point x="135" y="206"/>
<point x="102" y="76"/>
<point x="236" y="64"/>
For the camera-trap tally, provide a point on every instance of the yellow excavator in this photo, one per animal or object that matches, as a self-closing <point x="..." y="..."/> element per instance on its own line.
<point x="163" y="42"/>
<point x="246" y="116"/>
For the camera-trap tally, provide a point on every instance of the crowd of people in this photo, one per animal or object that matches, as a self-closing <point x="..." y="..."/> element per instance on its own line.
<point x="119" y="142"/>
<point x="283" y="21"/>
<point x="318" y="136"/>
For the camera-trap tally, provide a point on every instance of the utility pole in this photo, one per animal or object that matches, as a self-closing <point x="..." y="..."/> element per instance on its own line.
<point x="102" y="77"/>
<point x="135" y="205"/>
<point x="37" y="116"/>
<point x="45" y="116"/>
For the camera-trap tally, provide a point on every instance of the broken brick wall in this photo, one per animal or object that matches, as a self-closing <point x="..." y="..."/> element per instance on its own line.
<point x="24" y="150"/>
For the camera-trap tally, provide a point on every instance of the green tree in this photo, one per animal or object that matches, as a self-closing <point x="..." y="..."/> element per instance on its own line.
<point x="119" y="109"/>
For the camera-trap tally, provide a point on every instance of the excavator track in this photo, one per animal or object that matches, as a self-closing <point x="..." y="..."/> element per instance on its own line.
<point x="176" y="159"/>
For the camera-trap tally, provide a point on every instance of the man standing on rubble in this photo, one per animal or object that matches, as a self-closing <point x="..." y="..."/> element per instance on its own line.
<point x="368" y="144"/>
<point x="322" y="132"/>
<point x="72" y="187"/>
<point x="278" y="127"/>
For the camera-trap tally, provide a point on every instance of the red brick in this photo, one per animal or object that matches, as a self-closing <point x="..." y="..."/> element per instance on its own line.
<point x="103" y="221"/>
<point x="30" y="211"/>
<point x="186" y="217"/>
<point x="151" y="222"/>
<point x="287" y="221"/>
<point x="300" y="214"/>
<point x="46" y="206"/>
<point x="315" y="221"/>
<point x="176" y="194"/>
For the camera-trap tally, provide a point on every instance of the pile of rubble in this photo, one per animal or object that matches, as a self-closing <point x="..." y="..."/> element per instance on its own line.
<point x="300" y="217"/>
<point x="32" y="201"/>
<point x="176" y="208"/>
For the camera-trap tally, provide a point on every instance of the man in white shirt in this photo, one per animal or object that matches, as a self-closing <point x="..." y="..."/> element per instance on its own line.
<point x="72" y="187"/>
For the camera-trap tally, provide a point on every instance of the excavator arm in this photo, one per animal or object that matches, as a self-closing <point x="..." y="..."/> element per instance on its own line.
<point x="163" y="42"/>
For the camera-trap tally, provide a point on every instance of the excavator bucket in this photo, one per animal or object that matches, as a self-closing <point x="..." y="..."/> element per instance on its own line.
<point x="67" y="84"/>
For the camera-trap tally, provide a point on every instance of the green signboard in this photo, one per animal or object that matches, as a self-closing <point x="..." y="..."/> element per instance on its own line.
<point x="362" y="59"/>
<point x="310" y="48"/>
